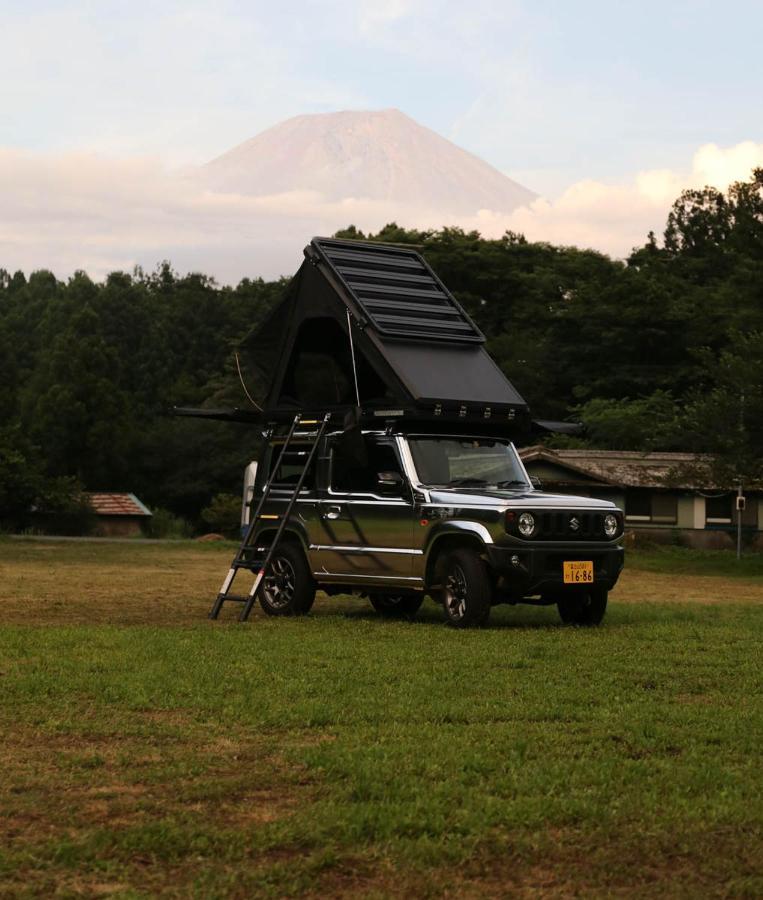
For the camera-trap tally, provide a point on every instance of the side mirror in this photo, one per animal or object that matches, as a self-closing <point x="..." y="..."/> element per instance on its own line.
<point x="389" y="482"/>
<point x="536" y="482"/>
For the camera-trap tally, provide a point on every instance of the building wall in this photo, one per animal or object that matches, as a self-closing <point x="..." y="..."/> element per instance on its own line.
<point x="690" y="527"/>
<point x="119" y="526"/>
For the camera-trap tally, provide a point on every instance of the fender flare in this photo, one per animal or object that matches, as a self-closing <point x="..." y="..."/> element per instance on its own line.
<point x="289" y="532"/>
<point x="455" y="528"/>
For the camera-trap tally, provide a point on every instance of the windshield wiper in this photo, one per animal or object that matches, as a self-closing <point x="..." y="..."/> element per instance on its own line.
<point x="463" y="482"/>
<point x="505" y="484"/>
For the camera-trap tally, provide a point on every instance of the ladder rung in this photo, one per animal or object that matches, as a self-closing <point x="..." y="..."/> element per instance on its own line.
<point x="236" y="598"/>
<point x="253" y="564"/>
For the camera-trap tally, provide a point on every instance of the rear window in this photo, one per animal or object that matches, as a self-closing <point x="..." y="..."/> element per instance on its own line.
<point x="287" y="473"/>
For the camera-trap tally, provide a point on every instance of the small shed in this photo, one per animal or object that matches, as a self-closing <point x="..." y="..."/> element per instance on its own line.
<point x="119" y="515"/>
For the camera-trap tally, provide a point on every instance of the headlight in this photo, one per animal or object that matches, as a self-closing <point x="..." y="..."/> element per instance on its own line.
<point x="611" y="525"/>
<point x="526" y="524"/>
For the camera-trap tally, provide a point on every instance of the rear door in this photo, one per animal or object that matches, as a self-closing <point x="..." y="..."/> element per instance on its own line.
<point x="367" y="531"/>
<point x="304" y="519"/>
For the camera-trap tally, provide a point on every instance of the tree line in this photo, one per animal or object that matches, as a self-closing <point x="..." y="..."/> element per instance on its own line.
<point x="663" y="350"/>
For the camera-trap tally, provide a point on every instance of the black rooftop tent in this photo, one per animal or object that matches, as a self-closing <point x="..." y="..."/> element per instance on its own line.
<point x="370" y="328"/>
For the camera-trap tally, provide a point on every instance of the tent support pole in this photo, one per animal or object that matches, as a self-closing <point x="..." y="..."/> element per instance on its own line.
<point x="352" y="354"/>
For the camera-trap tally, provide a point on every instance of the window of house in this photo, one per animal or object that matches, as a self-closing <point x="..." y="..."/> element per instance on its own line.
<point x="643" y="505"/>
<point x="719" y="510"/>
<point x="638" y="505"/>
<point x="665" y="508"/>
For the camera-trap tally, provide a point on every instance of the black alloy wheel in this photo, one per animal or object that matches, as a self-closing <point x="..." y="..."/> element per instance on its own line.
<point x="584" y="608"/>
<point x="288" y="588"/>
<point x="397" y="606"/>
<point x="467" y="591"/>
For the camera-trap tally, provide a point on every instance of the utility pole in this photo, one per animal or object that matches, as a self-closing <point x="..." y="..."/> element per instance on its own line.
<point x="740" y="509"/>
<point x="740" y="498"/>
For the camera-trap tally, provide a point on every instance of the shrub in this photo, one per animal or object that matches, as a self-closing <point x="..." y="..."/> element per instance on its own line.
<point x="164" y="524"/>
<point x="223" y="514"/>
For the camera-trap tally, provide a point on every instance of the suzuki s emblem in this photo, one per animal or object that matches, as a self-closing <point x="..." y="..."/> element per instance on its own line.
<point x="574" y="523"/>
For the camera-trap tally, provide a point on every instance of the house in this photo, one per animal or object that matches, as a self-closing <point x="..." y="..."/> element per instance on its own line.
<point x="119" y="515"/>
<point x="667" y="496"/>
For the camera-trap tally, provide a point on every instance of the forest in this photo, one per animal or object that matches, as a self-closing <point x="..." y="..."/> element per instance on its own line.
<point x="662" y="350"/>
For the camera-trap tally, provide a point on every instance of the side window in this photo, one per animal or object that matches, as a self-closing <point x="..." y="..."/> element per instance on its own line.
<point x="288" y="472"/>
<point x="638" y="505"/>
<point x="719" y="510"/>
<point x="665" y="508"/>
<point x="351" y="476"/>
<point x="643" y="505"/>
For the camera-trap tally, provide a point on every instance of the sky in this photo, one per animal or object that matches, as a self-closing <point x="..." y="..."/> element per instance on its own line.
<point x="599" y="107"/>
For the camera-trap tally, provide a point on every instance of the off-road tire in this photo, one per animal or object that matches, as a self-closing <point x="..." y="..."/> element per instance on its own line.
<point x="288" y="588"/>
<point x="467" y="591"/>
<point x="397" y="606"/>
<point x="585" y="608"/>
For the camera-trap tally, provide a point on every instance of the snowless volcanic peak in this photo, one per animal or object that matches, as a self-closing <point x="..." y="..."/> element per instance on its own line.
<point x="382" y="156"/>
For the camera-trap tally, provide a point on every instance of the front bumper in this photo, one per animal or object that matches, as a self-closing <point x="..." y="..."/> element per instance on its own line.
<point x="526" y="571"/>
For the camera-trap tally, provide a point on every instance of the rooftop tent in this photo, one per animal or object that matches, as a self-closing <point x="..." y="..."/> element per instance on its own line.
<point x="417" y="355"/>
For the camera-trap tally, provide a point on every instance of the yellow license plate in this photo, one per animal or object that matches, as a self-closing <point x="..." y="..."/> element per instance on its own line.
<point x="578" y="572"/>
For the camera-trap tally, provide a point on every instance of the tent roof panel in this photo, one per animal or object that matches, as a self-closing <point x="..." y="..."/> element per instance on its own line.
<point x="398" y="293"/>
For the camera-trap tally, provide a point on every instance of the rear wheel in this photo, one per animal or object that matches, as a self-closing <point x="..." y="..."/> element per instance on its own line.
<point x="397" y="606"/>
<point x="584" y="608"/>
<point x="467" y="591"/>
<point x="288" y="588"/>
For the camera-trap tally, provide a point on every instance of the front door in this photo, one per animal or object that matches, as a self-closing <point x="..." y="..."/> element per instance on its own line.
<point x="367" y="530"/>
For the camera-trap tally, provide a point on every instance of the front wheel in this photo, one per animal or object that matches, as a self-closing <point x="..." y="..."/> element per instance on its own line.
<point x="467" y="591"/>
<point x="288" y="588"/>
<point x="397" y="606"/>
<point x="584" y="608"/>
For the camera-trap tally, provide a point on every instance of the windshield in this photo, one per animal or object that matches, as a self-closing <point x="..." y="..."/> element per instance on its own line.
<point x="464" y="462"/>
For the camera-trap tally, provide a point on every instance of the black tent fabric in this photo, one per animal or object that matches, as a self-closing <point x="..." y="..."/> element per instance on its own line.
<point x="371" y="326"/>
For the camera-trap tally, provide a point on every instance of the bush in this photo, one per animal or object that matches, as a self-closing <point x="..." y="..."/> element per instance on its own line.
<point x="165" y="524"/>
<point x="63" y="508"/>
<point x="223" y="514"/>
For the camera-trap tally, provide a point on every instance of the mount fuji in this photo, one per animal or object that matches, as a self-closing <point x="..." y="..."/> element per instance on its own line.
<point x="383" y="156"/>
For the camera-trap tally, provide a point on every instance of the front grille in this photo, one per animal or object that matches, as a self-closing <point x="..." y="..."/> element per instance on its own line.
<point x="571" y="525"/>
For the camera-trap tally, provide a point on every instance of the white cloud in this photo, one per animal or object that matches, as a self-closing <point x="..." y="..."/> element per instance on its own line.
<point x="81" y="211"/>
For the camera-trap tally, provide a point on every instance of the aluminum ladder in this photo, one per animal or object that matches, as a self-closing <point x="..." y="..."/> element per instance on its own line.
<point x="250" y="557"/>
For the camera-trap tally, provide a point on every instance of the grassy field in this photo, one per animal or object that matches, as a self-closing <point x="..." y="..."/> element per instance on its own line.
<point x="146" y="751"/>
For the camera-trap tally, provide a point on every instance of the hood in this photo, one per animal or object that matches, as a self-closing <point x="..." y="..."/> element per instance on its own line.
<point x="525" y="498"/>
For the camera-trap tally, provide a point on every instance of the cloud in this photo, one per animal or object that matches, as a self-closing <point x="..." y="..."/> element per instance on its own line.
<point x="81" y="211"/>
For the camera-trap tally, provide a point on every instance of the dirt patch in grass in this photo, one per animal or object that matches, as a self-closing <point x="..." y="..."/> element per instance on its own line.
<point x="174" y="585"/>
<point x="638" y="586"/>
<point x="85" y="797"/>
<point x="567" y="863"/>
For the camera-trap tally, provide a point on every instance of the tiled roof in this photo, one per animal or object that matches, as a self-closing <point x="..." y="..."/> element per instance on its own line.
<point x="630" y="468"/>
<point x="117" y="505"/>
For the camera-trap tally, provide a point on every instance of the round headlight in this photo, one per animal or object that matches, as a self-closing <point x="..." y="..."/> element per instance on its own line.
<point x="611" y="525"/>
<point x="526" y="524"/>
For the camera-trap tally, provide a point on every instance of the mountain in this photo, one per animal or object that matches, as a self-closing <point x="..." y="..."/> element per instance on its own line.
<point x="382" y="156"/>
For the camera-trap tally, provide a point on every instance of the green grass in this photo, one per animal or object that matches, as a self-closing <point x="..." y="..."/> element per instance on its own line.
<point x="342" y="754"/>
<point x="682" y="560"/>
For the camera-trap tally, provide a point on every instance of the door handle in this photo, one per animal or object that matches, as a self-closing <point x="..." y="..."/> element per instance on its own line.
<point x="333" y="512"/>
